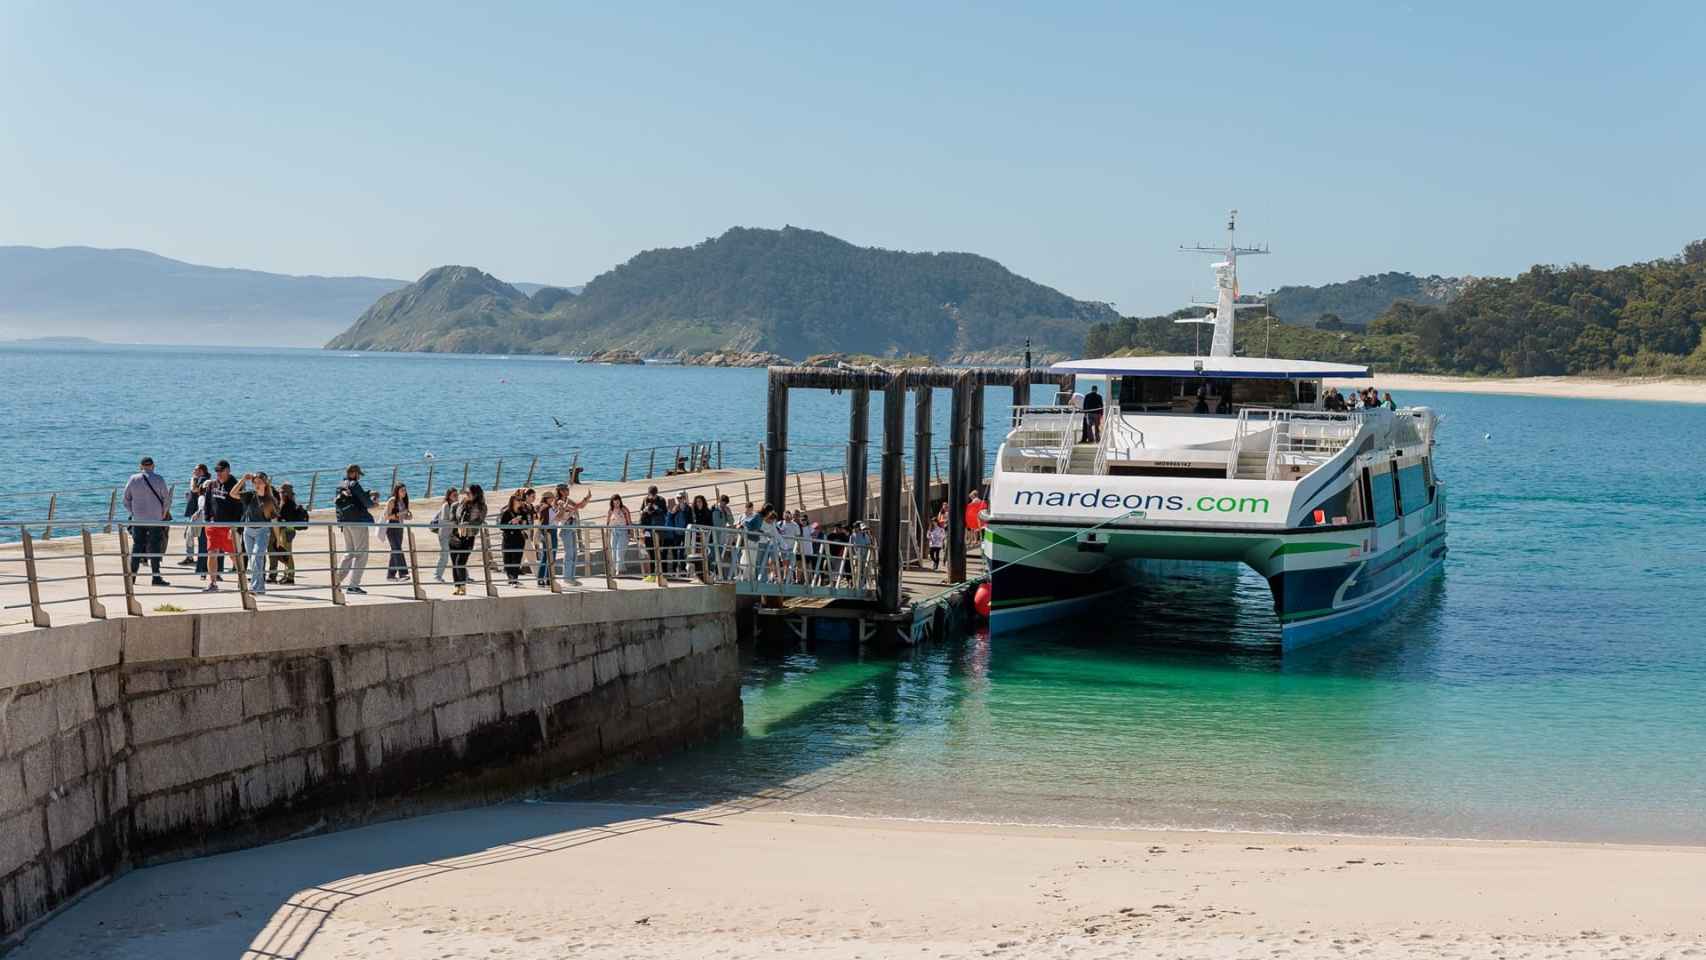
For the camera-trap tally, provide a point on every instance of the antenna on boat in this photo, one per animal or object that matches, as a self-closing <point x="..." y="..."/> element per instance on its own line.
<point x="1225" y="306"/>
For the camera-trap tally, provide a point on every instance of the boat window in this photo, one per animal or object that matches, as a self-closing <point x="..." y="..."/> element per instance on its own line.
<point x="1383" y="493"/>
<point x="1308" y="391"/>
<point x="1264" y="393"/>
<point x="1412" y="488"/>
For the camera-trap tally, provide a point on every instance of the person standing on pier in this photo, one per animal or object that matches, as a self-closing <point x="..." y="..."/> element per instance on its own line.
<point x="618" y="518"/>
<point x="149" y="504"/>
<point x="284" y="537"/>
<point x="354" y="505"/>
<point x="220" y="509"/>
<point x="566" y="518"/>
<point x="513" y="535"/>
<point x="469" y="517"/>
<point x="545" y="537"/>
<point x="397" y="513"/>
<point x="938" y="538"/>
<point x="752" y="526"/>
<point x="679" y="515"/>
<point x="652" y="513"/>
<point x="195" y="546"/>
<point x="260" y="508"/>
<point x="443" y="522"/>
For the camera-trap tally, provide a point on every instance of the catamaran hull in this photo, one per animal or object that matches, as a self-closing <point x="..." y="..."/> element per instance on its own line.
<point x="1325" y="581"/>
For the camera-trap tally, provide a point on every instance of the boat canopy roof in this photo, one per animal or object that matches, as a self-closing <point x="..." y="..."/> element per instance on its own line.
<point x="1254" y="368"/>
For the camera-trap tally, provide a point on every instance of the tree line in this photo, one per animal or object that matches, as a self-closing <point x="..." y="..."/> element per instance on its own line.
<point x="1637" y="319"/>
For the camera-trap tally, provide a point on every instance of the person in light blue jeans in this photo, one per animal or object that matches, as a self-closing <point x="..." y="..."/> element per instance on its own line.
<point x="565" y="515"/>
<point x="260" y="509"/>
<point x="442" y="525"/>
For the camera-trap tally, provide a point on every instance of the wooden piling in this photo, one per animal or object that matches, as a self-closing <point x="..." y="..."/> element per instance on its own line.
<point x="893" y="469"/>
<point x="776" y="443"/>
<point x="858" y="443"/>
<point x="974" y="436"/>
<point x="922" y="400"/>
<point x="957" y="485"/>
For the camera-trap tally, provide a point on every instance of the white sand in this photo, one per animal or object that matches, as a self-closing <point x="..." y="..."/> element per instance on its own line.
<point x="537" y="881"/>
<point x="1669" y="389"/>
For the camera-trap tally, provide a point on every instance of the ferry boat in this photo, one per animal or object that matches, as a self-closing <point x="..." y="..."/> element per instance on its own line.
<point x="1215" y="457"/>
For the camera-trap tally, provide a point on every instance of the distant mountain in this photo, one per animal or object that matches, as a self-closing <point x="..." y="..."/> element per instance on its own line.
<point x="791" y="291"/>
<point x="1357" y="302"/>
<point x="133" y="296"/>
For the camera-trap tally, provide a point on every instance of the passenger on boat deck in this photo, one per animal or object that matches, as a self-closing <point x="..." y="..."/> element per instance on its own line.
<point x="1335" y="401"/>
<point x="1202" y="399"/>
<point x="1093" y="416"/>
<point x="1390" y="404"/>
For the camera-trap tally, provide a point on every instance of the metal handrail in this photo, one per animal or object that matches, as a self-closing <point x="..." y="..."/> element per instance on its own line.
<point x="1058" y="432"/>
<point x="774" y="564"/>
<point x="1281" y="441"/>
<point x="1116" y="434"/>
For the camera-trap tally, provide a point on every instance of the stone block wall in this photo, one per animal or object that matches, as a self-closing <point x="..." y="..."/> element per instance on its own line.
<point x="134" y="739"/>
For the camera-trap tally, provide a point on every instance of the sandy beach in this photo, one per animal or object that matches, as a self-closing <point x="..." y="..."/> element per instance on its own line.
<point x="524" y="880"/>
<point x="1663" y="389"/>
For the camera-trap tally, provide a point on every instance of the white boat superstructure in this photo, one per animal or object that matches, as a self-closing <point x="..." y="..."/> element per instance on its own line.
<point x="1216" y="457"/>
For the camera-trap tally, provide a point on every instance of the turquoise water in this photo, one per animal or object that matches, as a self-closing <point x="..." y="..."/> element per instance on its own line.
<point x="1551" y="684"/>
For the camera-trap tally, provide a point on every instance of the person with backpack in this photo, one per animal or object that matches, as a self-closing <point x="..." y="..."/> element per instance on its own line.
<point x="354" y="506"/>
<point x="284" y="537"/>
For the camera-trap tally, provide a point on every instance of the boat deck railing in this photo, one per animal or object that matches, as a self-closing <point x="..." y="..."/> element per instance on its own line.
<point x="1045" y="432"/>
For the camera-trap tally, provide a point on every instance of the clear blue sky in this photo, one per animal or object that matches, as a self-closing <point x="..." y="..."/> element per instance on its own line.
<point x="1076" y="143"/>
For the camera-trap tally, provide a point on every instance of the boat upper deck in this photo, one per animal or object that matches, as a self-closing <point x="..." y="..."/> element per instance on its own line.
<point x="1251" y="443"/>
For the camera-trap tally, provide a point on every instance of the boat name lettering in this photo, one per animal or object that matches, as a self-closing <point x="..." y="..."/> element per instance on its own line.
<point x="1093" y="499"/>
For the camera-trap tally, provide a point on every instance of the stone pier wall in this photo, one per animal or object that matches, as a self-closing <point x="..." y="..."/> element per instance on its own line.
<point x="132" y="739"/>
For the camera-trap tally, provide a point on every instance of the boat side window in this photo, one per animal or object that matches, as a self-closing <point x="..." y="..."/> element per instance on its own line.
<point x="1280" y="394"/>
<point x="1308" y="391"/>
<point x="1383" y="493"/>
<point x="1412" y="488"/>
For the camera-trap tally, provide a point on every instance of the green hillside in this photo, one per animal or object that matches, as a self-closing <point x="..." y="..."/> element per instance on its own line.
<point x="791" y="291"/>
<point x="1643" y="318"/>
<point x="1359" y="301"/>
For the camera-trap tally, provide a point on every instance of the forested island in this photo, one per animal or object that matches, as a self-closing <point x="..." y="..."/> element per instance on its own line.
<point x="792" y="292"/>
<point x="1639" y="319"/>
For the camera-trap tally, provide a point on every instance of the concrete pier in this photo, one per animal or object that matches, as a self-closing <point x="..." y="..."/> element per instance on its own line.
<point x="134" y="739"/>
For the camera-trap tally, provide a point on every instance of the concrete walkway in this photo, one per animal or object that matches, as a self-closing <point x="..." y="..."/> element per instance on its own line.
<point x="65" y="597"/>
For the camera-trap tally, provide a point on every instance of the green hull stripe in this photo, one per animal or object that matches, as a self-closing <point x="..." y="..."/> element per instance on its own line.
<point x="1307" y="546"/>
<point x="1000" y="540"/>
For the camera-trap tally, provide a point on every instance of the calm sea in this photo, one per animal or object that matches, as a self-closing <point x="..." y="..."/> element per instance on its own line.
<point x="1552" y="684"/>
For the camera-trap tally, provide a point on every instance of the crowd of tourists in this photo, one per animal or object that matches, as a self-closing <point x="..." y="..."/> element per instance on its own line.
<point x="1367" y="398"/>
<point x="538" y="531"/>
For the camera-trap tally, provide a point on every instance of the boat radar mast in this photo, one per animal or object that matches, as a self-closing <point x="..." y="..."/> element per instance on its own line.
<point x="1225" y="306"/>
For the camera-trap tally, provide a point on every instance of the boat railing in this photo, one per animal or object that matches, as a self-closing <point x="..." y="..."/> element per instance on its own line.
<point x="1294" y="436"/>
<point x="1119" y="438"/>
<point x="1045" y="433"/>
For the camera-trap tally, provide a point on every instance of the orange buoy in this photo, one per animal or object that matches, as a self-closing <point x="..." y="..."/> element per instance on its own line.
<point x="980" y="599"/>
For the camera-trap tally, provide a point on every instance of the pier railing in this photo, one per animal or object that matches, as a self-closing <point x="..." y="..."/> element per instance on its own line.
<point x="61" y="510"/>
<point x="318" y="562"/>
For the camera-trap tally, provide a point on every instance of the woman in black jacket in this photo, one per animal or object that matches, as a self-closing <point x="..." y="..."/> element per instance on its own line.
<point x="514" y="519"/>
<point x="470" y="516"/>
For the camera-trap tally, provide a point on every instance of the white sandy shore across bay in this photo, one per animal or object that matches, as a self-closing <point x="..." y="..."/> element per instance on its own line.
<point x="1663" y="389"/>
<point x="601" y="881"/>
